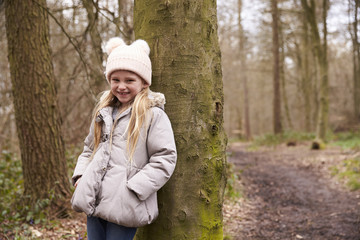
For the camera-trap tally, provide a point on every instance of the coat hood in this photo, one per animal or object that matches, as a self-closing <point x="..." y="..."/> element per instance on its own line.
<point x="157" y="99"/>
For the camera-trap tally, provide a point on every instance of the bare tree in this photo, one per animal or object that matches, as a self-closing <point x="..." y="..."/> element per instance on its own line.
<point x="356" y="56"/>
<point x="243" y="74"/>
<point x="96" y="54"/>
<point x="276" y="69"/>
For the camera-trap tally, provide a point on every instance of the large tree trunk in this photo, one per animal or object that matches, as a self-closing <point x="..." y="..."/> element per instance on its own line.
<point x="187" y="69"/>
<point x="36" y="108"/>
<point x="276" y="69"/>
<point x="321" y="56"/>
<point x="243" y="75"/>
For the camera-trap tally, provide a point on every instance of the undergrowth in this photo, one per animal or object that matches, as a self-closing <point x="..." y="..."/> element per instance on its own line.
<point x="348" y="171"/>
<point x="17" y="219"/>
<point x="233" y="188"/>
<point x="347" y="140"/>
<point x="276" y="139"/>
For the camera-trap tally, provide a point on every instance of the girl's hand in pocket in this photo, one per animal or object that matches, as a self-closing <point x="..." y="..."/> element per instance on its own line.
<point x="77" y="182"/>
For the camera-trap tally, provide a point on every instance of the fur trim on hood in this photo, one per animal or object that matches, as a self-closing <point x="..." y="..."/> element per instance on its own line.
<point x="157" y="99"/>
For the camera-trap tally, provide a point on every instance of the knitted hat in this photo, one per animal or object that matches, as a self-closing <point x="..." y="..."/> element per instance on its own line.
<point x="134" y="58"/>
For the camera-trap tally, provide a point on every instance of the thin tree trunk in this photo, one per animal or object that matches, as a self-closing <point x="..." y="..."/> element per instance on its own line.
<point x="306" y="80"/>
<point x="282" y="78"/>
<point x="315" y="96"/>
<point x="187" y="69"/>
<point x="356" y="60"/>
<point x="36" y="108"/>
<point x="322" y="124"/>
<point x="96" y="54"/>
<point x="243" y="75"/>
<point x="122" y="21"/>
<point x="276" y="69"/>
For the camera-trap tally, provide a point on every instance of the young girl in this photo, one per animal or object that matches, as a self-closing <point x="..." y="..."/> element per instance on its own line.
<point x="130" y="151"/>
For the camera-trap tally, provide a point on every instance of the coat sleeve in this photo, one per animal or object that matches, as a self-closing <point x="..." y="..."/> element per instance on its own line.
<point x="162" y="157"/>
<point x="84" y="158"/>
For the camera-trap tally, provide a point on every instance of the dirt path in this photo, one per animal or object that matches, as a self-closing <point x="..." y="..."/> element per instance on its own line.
<point x="290" y="194"/>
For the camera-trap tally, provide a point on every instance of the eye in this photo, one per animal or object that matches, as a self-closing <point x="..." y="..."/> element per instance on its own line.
<point x="115" y="80"/>
<point x="130" y="80"/>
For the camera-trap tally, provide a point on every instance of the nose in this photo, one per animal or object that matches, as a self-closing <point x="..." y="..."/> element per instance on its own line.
<point x="121" y="86"/>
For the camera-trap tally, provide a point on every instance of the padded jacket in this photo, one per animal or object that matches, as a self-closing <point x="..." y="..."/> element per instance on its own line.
<point x="110" y="186"/>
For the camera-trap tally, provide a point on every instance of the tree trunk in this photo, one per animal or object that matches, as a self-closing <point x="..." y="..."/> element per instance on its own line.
<point x="243" y="75"/>
<point x="321" y="57"/>
<point x="276" y="69"/>
<point x="356" y="60"/>
<point x="182" y="35"/>
<point x="96" y="52"/>
<point x="124" y="26"/>
<point x="305" y="76"/>
<point x="282" y="77"/>
<point x="322" y="123"/>
<point x="36" y="108"/>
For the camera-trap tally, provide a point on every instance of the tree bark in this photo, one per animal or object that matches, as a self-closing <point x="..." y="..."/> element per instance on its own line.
<point x="243" y="75"/>
<point x="182" y="35"/>
<point x="36" y="108"/>
<point x="276" y="69"/>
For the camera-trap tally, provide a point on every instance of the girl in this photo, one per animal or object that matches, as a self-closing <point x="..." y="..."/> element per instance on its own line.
<point x="130" y="151"/>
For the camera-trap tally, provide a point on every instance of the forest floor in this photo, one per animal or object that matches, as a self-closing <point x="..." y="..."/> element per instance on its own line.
<point x="290" y="193"/>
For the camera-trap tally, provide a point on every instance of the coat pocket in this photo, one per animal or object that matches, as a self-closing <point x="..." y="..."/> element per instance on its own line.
<point x="123" y="207"/>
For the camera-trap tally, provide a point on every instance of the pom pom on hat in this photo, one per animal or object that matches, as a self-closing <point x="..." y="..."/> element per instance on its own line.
<point x="133" y="57"/>
<point x="113" y="43"/>
<point x="142" y="45"/>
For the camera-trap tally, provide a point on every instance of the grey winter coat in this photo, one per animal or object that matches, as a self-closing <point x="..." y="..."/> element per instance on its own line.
<point x="111" y="187"/>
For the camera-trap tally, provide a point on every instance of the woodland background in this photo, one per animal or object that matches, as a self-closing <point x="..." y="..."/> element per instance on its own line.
<point x="79" y="31"/>
<point x="293" y="39"/>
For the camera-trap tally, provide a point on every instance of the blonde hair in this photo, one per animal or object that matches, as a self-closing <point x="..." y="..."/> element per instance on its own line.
<point x="139" y="118"/>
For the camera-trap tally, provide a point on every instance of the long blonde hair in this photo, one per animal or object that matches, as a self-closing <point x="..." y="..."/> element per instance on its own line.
<point x="139" y="118"/>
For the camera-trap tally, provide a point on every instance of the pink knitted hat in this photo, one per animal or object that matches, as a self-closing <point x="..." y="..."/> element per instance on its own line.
<point x="133" y="57"/>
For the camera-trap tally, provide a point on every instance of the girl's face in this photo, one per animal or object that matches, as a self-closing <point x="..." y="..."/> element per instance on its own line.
<point x="126" y="85"/>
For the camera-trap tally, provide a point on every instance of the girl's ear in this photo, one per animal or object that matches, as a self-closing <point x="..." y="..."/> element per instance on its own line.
<point x="145" y="84"/>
